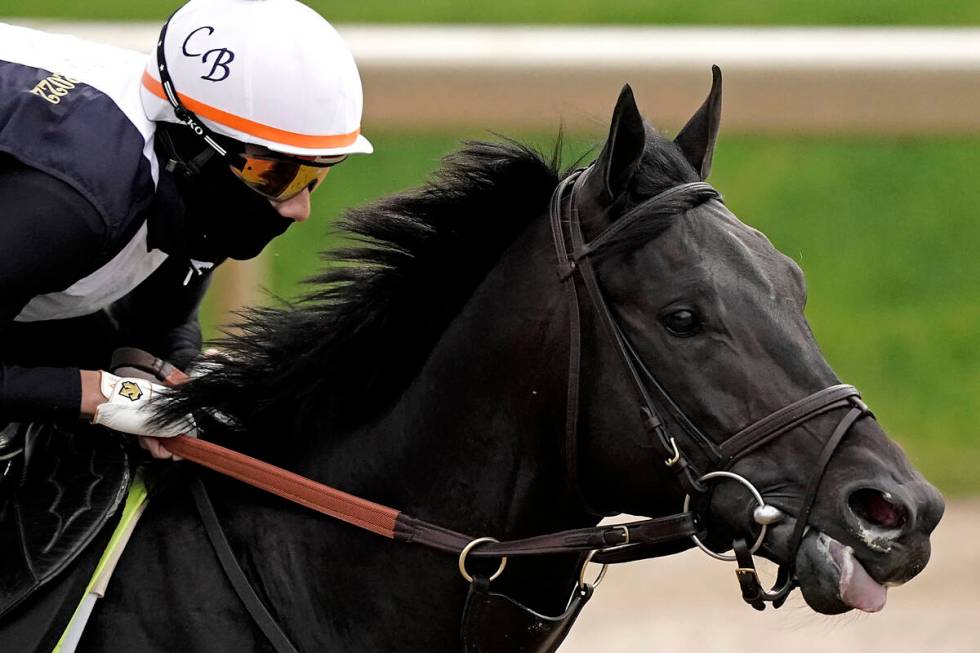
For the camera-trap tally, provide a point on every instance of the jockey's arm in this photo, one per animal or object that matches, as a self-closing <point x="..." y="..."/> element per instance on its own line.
<point x="50" y="237"/>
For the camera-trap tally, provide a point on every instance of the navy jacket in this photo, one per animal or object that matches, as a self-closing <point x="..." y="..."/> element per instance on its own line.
<point x="86" y="213"/>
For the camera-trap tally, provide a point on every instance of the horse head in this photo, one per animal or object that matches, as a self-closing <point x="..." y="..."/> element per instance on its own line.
<point x="712" y="317"/>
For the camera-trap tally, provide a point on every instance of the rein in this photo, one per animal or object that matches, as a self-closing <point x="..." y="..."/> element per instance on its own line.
<point x="399" y="526"/>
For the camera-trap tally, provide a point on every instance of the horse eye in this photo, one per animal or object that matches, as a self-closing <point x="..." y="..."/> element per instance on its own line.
<point x="681" y="323"/>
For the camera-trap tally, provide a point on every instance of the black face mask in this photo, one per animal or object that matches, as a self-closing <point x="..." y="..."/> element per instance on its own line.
<point x="223" y="218"/>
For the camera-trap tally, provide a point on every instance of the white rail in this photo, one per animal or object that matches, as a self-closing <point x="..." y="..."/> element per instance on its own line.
<point x="777" y="79"/>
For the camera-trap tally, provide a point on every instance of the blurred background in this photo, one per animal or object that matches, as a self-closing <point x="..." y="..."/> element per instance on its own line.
<point x="850" y="136"/>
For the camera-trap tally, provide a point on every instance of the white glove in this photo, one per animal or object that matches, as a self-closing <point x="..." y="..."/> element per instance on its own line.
<point x="127" y="408"/>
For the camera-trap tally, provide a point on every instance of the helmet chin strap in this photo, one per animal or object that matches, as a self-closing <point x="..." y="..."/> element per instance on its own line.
<point x="179" y="164"/>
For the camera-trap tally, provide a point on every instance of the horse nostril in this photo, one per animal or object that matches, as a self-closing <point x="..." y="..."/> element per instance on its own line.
<point x="878" y="508"/>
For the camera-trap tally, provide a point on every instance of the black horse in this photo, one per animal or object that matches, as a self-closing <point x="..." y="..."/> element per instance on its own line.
<point x="428" y="370"/>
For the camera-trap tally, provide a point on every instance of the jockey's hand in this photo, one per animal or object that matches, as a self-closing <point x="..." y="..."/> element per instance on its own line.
<point x="127" y="410"/>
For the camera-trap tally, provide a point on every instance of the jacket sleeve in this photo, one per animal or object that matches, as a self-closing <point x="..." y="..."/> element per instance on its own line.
<point x="161" y="315"/>
<point x="50" y="237"/>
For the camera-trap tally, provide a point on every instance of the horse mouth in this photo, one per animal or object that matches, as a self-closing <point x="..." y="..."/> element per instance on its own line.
<point x="833" y="580"/>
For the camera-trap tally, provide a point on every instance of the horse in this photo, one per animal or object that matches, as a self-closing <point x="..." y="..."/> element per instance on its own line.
<point x="441" y="362"/>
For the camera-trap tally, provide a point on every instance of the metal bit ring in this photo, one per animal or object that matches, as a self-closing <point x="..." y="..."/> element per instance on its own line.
<point x="755" y="494"/>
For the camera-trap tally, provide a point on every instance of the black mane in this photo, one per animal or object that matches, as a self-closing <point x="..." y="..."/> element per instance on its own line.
<point x="346" y="350"/>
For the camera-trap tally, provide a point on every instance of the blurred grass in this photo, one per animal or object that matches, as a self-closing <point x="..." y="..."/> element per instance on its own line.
<point x="886" y="231"/>
<point x="661" y="12"/>
<point x="888" y="235"/>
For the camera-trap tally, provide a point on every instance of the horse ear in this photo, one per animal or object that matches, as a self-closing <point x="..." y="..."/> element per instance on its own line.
<point x="697" y="139"/>
<point x="621" y="154"/>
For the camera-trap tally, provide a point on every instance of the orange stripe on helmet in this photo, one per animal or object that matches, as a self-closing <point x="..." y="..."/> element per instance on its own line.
<point x="250" y="126"/>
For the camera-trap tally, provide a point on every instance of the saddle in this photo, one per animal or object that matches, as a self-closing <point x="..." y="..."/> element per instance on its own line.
<point x="55" y="497"/>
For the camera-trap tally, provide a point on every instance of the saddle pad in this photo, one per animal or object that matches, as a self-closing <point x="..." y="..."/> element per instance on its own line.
<point x="73" y="481"/>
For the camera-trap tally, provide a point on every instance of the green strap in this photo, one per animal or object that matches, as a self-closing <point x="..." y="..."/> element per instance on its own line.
<point x="133" y="508"/>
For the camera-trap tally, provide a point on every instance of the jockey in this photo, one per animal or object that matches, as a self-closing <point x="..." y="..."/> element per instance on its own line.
<point x="124" y="182"/>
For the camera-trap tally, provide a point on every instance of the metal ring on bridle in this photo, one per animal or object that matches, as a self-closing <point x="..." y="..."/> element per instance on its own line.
<point x="466" y="551"/>
<point x="755" y="495"/>
<point x="581" y="574"/>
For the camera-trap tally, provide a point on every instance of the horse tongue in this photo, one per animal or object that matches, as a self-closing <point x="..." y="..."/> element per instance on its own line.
<point x="857" y="588"/>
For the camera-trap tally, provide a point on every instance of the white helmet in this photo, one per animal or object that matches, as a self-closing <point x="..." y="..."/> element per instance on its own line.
<point x="268" y="72"/>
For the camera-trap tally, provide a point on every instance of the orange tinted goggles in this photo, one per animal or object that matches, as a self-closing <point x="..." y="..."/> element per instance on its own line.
<point x="279" y="177"/>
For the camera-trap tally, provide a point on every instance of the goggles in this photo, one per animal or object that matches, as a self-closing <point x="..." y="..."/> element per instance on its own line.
<point x="280" y="177"/>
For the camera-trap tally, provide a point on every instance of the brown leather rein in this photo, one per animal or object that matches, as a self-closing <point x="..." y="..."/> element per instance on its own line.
<point x="399" y="526"/>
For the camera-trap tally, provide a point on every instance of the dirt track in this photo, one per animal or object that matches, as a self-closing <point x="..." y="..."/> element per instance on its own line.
<point x="691" y="603"/>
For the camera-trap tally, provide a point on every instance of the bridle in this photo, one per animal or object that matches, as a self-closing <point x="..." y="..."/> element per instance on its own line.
<point x="604" y="545"/>
<point x="576" y="270"/>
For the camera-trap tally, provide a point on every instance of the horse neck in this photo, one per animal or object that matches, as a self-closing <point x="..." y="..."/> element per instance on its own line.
<point x="474" y="443"/>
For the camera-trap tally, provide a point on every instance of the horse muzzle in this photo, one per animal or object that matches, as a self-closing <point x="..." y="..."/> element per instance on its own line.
<point x="880" y="539"/>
